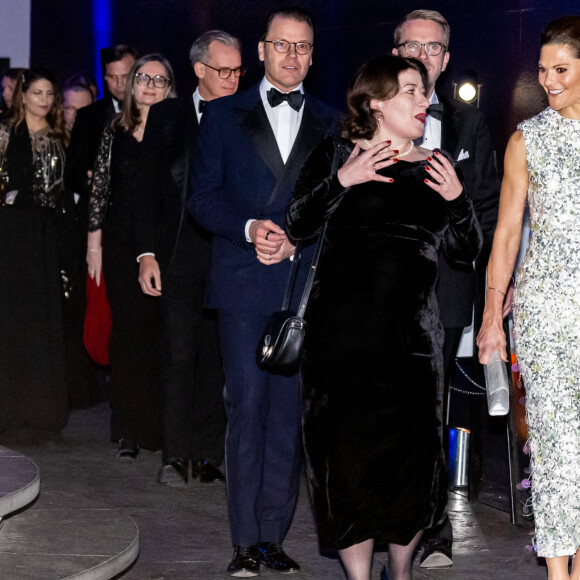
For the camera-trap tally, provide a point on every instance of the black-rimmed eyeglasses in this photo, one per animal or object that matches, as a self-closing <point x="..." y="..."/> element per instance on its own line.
<point x="284" y="46"/>
<point x="224" y="73"/>
<point x="413" y="48"/>
<point x="159" y="82"/>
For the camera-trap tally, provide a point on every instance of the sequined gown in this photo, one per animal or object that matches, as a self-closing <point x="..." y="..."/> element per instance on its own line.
<point x="547" y="329"/>
<point x="33" y="385"/>
<point x="372" y="365"/>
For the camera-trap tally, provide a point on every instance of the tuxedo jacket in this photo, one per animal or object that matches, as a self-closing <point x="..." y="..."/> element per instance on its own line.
<point x="84" y="143"/>
<point x="162" y="224"/>
<point x="465" y="136"/>
<point x="238" y="174"/>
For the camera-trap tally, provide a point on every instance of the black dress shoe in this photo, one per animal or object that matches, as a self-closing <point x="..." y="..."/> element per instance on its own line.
<point x="208" y="472"/>
<point x="128" y="450"/>
<point x="274" y="558"/>
<point x="436" y="553"/>
<point x="245" y="563"/>
<point x="173" y="472"/>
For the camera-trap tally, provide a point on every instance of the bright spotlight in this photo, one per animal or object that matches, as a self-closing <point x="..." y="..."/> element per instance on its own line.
<point x="467" y="92"/>
<point x="468" y="88"/>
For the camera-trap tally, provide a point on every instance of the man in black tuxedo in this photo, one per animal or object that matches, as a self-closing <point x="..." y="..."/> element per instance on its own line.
<point x="176" y="268"/>
<point x="462" y="131"/>
<point x="90" y="121"/>
<point x="250" y="150"/>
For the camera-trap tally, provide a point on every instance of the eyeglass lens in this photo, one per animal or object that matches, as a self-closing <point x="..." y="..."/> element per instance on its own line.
<point x="284" y="46"/>
<point x="431" y="48"/>
<point x="143" y="80"/>
<point x="224" y="73"/>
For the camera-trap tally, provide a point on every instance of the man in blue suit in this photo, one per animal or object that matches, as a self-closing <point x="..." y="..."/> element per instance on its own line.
<point x="249" y="153"/>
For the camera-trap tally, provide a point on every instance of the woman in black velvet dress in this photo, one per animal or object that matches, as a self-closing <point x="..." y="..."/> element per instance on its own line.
<point x="372" y="367"/>
<point x="136" y="323"/>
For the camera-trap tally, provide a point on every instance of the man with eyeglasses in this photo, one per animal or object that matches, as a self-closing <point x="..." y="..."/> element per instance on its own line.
<point x="462" y="131"/>
<point x="250" y="151"/>
<point x="175" y="268"/>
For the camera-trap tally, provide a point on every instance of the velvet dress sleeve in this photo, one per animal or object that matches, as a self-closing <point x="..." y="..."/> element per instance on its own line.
<point x="463" y="239"/>
<point x="318" y="192"/>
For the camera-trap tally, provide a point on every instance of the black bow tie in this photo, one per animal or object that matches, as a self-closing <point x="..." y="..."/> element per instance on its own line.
<point x="436" y="111"/>
<point x="295" y="98"/>
<point x="201" y="106"/>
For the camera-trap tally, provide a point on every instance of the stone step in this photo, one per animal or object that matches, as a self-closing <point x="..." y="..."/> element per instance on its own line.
<point x="19" y="481"/>
<point x="54" y="540"/>
<point x="67" y="543"/>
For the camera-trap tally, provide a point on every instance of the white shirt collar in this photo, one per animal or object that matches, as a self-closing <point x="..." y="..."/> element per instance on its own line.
<point x="196" y="99"/>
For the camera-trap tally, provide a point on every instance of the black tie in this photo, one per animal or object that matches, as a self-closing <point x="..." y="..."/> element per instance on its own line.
<point x="295" y="98"/>
<point x="201" y="106"/>
<point x="436" y="111"/>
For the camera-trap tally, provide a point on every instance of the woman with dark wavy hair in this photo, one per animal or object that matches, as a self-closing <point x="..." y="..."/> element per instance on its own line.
<point x="133" y="347"/>
<point x="36" y="251"/>
<point x="372" y="366"/>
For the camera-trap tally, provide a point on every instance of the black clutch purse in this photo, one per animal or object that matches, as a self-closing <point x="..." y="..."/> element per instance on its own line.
<point x="280" y="347"/>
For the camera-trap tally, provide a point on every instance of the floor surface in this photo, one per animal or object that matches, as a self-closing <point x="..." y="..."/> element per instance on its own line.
<point x="184" y="531"/>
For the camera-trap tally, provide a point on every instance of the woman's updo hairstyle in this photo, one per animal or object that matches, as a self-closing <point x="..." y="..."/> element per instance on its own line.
<point x="564" y="30"/>
<point x="376" y="79"/>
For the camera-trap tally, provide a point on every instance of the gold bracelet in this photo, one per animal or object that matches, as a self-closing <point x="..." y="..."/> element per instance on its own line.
<point x="490" y="288"/>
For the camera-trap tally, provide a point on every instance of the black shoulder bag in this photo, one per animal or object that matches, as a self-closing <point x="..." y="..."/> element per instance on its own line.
<point x="280" y="348"/>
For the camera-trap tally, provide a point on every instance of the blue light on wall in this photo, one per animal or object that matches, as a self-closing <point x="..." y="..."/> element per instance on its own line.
<point x="102" y="34"/>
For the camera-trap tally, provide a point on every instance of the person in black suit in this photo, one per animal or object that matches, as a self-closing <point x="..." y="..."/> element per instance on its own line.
<point x="86" y="135"/>
<point x="176" y="269"/>
<point x="90" y="121"/>
<point x="249" y="152"/>
<point x="461" y="130"/>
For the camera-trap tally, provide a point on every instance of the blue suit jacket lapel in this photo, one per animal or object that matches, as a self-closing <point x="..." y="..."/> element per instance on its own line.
<point x="254" y="122"/>
<point x="310" y="133"/>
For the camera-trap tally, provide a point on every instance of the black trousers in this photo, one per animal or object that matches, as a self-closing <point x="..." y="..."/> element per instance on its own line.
<point x="191" y="379"/>
<point x="450" y="346"/>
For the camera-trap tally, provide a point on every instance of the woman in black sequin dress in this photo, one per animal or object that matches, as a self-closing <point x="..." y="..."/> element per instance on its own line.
<point x="34" y="251"/>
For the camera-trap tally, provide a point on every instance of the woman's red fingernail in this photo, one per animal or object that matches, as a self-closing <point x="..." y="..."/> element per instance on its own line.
<point x="429" y="159"/>
<point x="391" y="180"/>
<point x="389" y="142"/>
<point x="395" y="150"/>
<point x="426" y="180"/>
<point x="436" y="153"/>
<point x="395" y="160"/>
<point x="428" y="168"/>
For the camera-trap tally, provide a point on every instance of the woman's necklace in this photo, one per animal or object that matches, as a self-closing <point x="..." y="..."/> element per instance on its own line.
<point x="403" y="154"/>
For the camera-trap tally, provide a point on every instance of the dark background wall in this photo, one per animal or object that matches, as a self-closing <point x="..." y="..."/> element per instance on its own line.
<point x="496" y="38"/>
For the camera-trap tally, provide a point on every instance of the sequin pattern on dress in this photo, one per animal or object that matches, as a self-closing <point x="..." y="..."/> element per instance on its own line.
<point x="547" y="329"/>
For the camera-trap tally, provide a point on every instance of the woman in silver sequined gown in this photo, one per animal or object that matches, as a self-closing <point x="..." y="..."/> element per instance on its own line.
<point x="542" y="165"/>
